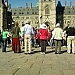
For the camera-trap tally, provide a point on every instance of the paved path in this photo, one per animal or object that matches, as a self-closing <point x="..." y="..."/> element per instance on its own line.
<point x="37" y="64"/>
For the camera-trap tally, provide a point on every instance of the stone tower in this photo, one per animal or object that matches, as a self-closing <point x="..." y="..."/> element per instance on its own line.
<point x="1" y="18"/>
<point x="3" y="15"/>
<point x="47" y="12"/>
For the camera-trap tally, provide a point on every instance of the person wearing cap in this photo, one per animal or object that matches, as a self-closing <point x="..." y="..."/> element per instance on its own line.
<point x="57" y="36"/>
<point x="28" y="32"/>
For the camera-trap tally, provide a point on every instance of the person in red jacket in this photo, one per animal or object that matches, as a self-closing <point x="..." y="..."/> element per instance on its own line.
<point x="44" y="35"/>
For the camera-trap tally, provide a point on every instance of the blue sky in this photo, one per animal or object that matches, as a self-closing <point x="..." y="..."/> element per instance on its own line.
<point x="21" y="3"/>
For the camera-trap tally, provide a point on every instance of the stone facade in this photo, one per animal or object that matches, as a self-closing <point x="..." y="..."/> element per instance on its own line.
<point x="3" y="15"/>
<point x="45" y="11"/>
<point x="69" y="14"/>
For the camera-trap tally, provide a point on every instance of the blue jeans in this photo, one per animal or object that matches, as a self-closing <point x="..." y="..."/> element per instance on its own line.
<point x="34" y="42"/>
<point x="4" y="42"/>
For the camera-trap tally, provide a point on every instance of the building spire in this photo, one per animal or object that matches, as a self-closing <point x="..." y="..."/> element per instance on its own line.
<point x="26" y="5"/>
<point x="71" y="4"/>
<point x="65" y="3"/>
<point x="6" y="3"/>
<point x="30" y="5"/>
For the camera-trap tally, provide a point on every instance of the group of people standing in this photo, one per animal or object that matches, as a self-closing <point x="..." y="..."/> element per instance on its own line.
<point x="24" y="36"/>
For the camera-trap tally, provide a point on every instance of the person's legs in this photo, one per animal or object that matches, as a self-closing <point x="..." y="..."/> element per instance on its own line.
<point x="18" y="46"/>
<point x="25" y="41"/>
<point x="34" y="42"/>
<point x="51" y="43"/>
<point x="4" y="41"/>
<point x="39" y="42"/>
<point x="45" y="42"/>
<point x="68" y="44"/>
<point x="73" y="45"/>
<point x="2" y="45"/>
<point x="56" y="43"/>
<point x="29" y="43"/>
<point x="42" y="45"/>
<point x="59" y="46"/>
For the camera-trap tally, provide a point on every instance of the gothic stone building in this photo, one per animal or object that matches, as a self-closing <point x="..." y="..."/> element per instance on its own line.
<point x="3" y="14"/>
<point x="65" y="13"/>
<point x="45" y="11"/>
<point x="69" y="14"/>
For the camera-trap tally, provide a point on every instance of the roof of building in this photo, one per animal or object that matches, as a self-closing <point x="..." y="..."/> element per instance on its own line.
<point x="69" y="10"/>
<point x="20" y="11"/>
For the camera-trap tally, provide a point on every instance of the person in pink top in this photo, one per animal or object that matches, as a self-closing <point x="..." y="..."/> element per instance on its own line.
<point x="44" y="35"/>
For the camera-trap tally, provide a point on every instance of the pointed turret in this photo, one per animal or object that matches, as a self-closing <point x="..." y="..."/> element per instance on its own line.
<point x="70" y="4"/>
<point x="26" y="5"/>
<point x="31" y="6"/>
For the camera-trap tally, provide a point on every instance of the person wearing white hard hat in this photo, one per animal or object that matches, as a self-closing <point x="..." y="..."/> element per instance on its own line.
<point x="57" y="36"/>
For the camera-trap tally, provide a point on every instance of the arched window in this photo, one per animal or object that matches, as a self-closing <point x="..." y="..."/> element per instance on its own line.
<point x="47" y="10"/>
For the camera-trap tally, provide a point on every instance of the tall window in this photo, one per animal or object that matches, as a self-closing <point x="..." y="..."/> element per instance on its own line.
<point x="47" y="11"/>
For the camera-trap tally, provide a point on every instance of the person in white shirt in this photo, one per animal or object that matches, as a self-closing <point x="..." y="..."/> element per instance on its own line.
<point x="28" y="32"/>
<point x="57" y="36"/>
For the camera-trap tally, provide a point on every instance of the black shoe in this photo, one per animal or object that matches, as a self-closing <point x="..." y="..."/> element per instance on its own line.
<point x="56" y="53"/>
<point x="15" y="52"/>
<point x="26" y="53"/>
<point x="3" y="51"/>
<point x="59" y="53"/>
<point x="22" y="47"/>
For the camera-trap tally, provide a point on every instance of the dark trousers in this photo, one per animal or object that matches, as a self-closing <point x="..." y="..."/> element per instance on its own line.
<point x="43" y="45"/>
